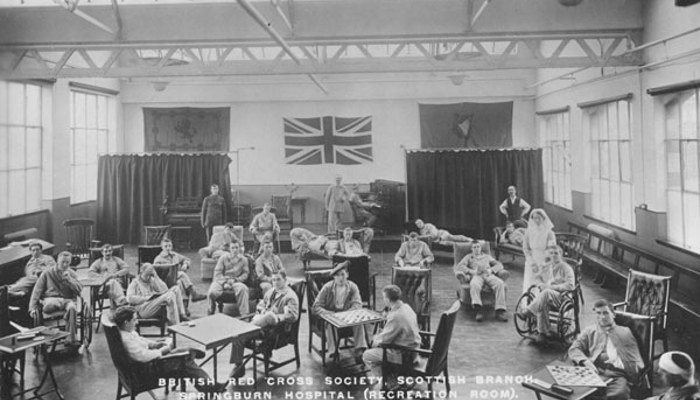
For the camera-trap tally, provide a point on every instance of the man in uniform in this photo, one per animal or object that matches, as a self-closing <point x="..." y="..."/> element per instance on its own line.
<point x="213" y="210"/>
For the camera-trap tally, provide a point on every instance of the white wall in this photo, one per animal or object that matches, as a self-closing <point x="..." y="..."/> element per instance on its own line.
<point x="257" y="109"/>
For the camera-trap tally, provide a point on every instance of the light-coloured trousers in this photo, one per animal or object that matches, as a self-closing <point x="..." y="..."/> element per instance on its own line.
<point x="173" y="305"/>
<point x="70" y="306"/>
<point x="540" y="306"/>
<point x="495" y="283"/>
<point x="240" y="291"/>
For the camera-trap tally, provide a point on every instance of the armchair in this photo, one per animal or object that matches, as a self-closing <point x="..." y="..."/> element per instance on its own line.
<point x="430" y="362"/>
<point x="416" y="291"/>
<point x="358" y="272"/>
<point x="208" y="261"/>
<point x="254" y="291"/>
<point x="362" y="235"/>
<point x="643" y="328"/>
<point x="461" y="250"/>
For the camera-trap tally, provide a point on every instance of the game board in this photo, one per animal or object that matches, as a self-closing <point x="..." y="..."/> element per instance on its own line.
<point x="566" y="375"/>
<point x="354" y="317"/>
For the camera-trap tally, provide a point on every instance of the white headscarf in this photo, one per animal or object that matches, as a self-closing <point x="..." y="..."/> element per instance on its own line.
<point x="539" y="233"/>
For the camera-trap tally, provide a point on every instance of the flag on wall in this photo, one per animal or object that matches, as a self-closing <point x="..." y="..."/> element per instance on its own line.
<point x="472" y="125"/>
<point x="186" y="129"/>
<point x="328" y="140"/>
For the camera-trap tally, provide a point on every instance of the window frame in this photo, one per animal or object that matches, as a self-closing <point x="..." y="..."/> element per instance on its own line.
<point x="554" y="132"/>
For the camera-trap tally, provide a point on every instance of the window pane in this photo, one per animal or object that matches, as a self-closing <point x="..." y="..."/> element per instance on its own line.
<point x="3" y="103"/>
<point x="79" y="147"/>
<point x="625" y="162"/>
<point x="595" y="197"/>
<point x="91" y="145"/>
<point x="673" y="164"/>
<point x="690" y="166"/>
<point x="16" y="205"/>
<point x="612" y="121"/>
<point x="605" y="200"/>
<point x="595" y="125"/>
<point x="672" y="120"/>
<point x="102" y="112"/>
<point x="614" y="162"/>
<point x="624" y="120"/>
<point x="33" y="147"/>
<point x="595" y="164"/>
<point x="566" y="126"/>
<point x="3" y="193"/>
<point x="3" y="150"/>
<point x="615" y="206"/>
<point x="72" y="109"/>
<point x="33" y="184"/>
<point x="604" y="161"/>
<point x="91" y="111"/>
<point x="15" y="99"/>
<point x="626" y="202"/>
<point x="691" y="211"/>
<point x="91" y="183"/>
<point x="16" y="157"/>
<point x="675" y="217"/>
<point x="689" y="111"/>
<point x="79" y="104"/>
<point x="79" y="184"/>
<point x="102" y="142"/>
<point x="33" y="105"/>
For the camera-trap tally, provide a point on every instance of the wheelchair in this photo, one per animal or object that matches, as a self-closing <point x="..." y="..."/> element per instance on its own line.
<point x="565" y="317"/>
<point x="55" y="319"/>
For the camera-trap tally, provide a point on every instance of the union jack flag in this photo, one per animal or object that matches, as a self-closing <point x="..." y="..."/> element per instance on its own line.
<point x="328" y="140"/>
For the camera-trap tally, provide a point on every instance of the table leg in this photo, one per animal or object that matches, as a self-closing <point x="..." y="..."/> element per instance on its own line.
<point x="48" y="373"/>
<point x="174" y="340"/>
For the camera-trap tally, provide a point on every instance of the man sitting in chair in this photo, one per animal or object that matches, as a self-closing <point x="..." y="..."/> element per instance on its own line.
<point x="147" y="293"/>
<point x="400" y="328"/>
<point x="168" y="256"/>
<point x="219" y="239"/>
<point x="348" y="246"/>
<point x="266" y="265"/>
<point x="513" y="235"/>
<point x="143" y="350"/>
<point x="59" y="288"/>
<point x="558" y="278"/>
<point x="363" y="209"/>
<point x="431" y="232"/>
<point x="265" y="223"/>
<point x="609" y="349"/>
<point x="414" y="253"/>
<point x="114" y="269"/>
<point x="678" y="374"/>
<point x="480" y="266"/>
<point x="38" y="263"/>
<point x="340" y="294"/>
<point x="279" y="306"/>
<point x="230" y="273"/>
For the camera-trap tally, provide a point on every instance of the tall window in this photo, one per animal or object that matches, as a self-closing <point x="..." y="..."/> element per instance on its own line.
<point x="90" y="121"/>
<point x="682" y="170"/>
<point x="556" y="144"/>
<point x="20" y="148"/>
<point x="609" y="130"/>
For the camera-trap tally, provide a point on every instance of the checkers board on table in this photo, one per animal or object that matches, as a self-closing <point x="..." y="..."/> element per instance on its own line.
<point x="359" y="316"/>
<point x="567" y="375"/>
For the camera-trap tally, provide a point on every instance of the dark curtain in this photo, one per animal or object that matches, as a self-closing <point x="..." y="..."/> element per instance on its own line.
<point x="131" y="189"/>
<point x="460" y="190"/>
<point x="466" y="125"/>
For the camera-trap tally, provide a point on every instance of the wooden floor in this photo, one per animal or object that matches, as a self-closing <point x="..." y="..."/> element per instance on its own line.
<point x="486" y="349"/>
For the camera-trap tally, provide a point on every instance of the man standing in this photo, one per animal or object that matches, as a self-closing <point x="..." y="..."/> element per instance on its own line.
<point x="213" y="210"/>
<point x="335" y="200"/>
<point x="609" y="349"/>
<point x="230" y="273"/>
<point x="267" y="264"/>
<point x="169" y="257"/>
<point x="115" y="269"/>
<point x="37" y="264"/>
<point x="143" y="350"/>
<point x="337" y="295"/>
<point x="148" y="292"/>
<point x="482" y="268"/>
<point x="264" y="225"/>
<point x="678" y="374"/>
<point x="414" y="253"/>
<point x="279" y="306"/>
<point x="401" y="328"/>
<point x="554" y="285"/>
<point x="514" y="208"/>
<point x="59" y="288"/>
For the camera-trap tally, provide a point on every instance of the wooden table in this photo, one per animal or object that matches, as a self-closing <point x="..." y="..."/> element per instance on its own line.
<point x="340" y="320"/>
<point x="13" y="258"/>
<point x="10" y="345"/>
<point x="215" y="332"/>
<point x="580" y="392"/>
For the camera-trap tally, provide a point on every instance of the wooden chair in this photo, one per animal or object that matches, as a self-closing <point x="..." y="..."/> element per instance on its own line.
<point x="317" y="325"/>
<point x="430" y="362"/>
<point x="283" y="209"/>
<point x="83" y="320"/>
<point x="358" y="272"/>
<point x="416" y="291"/>
<point x="649" y="294"/>
<point x="168" y="274"/>
<point x="155" y="233"/>
<point x="362" y="235"/>
<point x="9" y="363"/>
<point x="254" y="291"/>
<point x="461" y="250"/>
<point x="147" y="254"/>
<point x="79" y="236"/>
<point x="133" y="377"/>
<point x="241" y="214"/>
<point x="643" y="329"/>
<point x="280" y="336"/>
<point x="572" y="245"/>
<point x="96" y="253"/>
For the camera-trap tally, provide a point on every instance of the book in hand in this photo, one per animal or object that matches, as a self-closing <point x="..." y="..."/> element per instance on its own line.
<point x="155" y="296"/>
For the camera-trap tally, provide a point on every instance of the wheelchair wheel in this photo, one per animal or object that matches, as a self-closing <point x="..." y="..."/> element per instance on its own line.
<point x="86" y="325"/>
<point x="566" y="325"/>
<point x="524" y="327"/>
